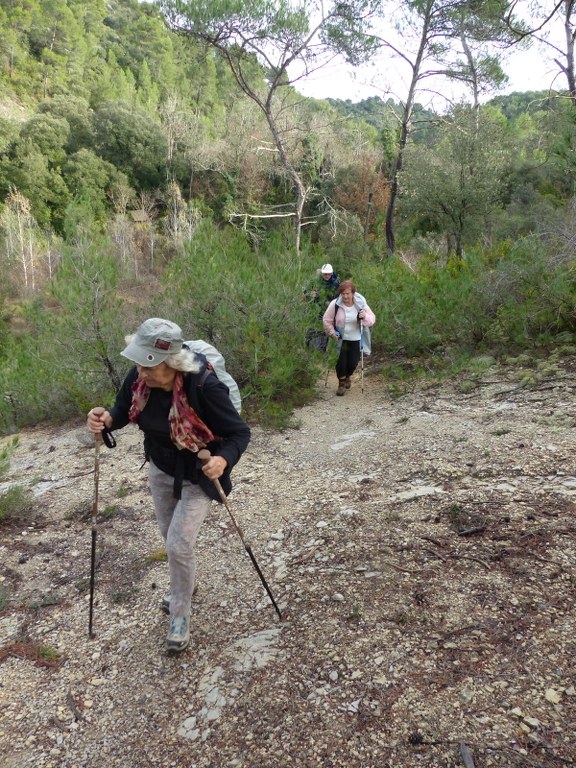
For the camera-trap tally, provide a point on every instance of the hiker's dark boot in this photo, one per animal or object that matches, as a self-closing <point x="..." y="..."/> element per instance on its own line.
<point x="341" y="387"/>
<point x="347" y="382"/>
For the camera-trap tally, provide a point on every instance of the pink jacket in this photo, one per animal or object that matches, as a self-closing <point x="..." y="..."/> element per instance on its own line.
<point x="335" y="316"/>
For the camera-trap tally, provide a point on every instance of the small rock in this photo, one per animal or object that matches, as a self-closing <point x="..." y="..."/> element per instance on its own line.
<point x="552" y="696"/>
<point x="533" y="722"/>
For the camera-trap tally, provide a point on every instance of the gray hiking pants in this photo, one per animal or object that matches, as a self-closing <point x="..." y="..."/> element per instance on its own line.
<point x="179" y="521"/>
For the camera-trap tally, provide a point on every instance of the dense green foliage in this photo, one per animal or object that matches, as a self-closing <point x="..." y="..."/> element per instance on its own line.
<point x="136" y="178"/>
<point x="520" y="296"/>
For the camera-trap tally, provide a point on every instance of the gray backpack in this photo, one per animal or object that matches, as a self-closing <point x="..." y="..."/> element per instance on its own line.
<point x="216" y="359"/>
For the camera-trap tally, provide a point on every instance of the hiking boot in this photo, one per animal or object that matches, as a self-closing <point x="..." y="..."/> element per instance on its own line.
<point x="178" y="633"/>
<point x="341" y="387"/>
<point x="347" y="382"/>
<point x="165" y="602"/>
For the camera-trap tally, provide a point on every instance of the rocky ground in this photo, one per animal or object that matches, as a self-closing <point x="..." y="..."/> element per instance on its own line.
<point x="421" y="548"/>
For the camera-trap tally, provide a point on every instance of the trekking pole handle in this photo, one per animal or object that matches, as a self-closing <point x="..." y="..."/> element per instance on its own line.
<point x="106" y="433"/>
<point x="204" y="455"/>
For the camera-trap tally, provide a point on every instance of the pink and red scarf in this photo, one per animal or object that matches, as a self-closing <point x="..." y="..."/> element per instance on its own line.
<point x="187" y="430"/>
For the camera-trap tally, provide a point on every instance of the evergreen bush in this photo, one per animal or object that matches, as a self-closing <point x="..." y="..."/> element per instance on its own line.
<point x="249" y="304"/>
<point x="15" y="505"/>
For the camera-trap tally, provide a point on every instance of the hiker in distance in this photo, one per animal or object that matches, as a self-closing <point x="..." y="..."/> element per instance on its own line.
<point x="348" y="319"/>
<point x="181" y="406"/>
<point x="326" y="288"/>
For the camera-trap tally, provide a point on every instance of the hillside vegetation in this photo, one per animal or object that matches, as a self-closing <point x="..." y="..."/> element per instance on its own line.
<point x="137" y="178"/>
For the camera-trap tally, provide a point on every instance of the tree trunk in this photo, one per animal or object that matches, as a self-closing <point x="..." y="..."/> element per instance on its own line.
<point x="569" y="32"/>
<point x="405" y="127"/>
<point x="294" y="176"/>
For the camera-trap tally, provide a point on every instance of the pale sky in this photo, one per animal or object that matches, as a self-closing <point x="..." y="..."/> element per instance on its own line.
<point x="531" y="70"/>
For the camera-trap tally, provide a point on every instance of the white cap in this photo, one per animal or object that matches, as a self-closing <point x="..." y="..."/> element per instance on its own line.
<point x="327" y="269"/>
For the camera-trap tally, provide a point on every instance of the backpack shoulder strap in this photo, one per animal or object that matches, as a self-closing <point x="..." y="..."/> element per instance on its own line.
<point x="204" y="376"/>
<point x="196" y="380"/>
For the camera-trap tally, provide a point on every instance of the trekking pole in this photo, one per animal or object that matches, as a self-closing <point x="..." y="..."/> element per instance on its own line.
<point x="338" y="337"/>
<point x="204" y="455"/>
<point x="97" y="441"/>
<point x="362" y="357"/>
<point x="110" y="442"/>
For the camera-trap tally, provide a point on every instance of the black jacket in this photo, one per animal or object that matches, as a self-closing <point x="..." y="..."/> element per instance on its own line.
<point x="208" y="396"/>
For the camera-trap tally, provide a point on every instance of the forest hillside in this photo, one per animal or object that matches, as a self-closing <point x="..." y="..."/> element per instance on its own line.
<point x="161" y="164"/>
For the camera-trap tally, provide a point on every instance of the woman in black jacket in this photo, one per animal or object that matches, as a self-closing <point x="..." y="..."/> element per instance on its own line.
<point x="179" y="403"/>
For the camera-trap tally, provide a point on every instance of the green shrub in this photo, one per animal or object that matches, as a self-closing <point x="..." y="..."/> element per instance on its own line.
<point x="15" y="505"/>
<point x="4" y="598"/>
<point x="47" y="653"/>
<point x="249" y="305"/>
<point x="66" y="357"/>
<point x="247" y="299"/>
<point x="5" y="453"/>
<point x="123" y="490"/>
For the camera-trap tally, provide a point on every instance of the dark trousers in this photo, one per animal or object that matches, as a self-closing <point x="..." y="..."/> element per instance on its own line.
<point x="348" y="360"/>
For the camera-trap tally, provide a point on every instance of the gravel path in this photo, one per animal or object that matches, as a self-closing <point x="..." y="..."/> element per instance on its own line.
<point x="422" y="550"/>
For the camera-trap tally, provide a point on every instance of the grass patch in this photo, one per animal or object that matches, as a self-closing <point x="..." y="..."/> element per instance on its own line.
<point x="6" y="452"/>
<point x="82" y="585"/>
<point x="467" y="386"/>
<point x="110" y="510"/>
<point x="51" y="598"/>
<point x="122" y="595"/>
<point x="47" y="653"/>
<point x="157" y="556"/>
<point x="4" y="598"/>
<point x="15" y="505"/>
<point x="38" y="653"/>
<point x="355" y="615"/>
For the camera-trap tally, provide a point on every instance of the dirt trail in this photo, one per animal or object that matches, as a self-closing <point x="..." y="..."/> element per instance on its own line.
<point x="422" y="550"/>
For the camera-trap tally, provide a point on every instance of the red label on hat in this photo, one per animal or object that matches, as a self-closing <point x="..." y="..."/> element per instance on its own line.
<point x="161" y="344"/>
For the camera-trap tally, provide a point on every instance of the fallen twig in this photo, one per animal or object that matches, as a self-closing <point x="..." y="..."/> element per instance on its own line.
<point x="306" y="556"/>
<point x="72" y="704"/>
<point x="435" y="554"/>
<point x="469" y="557"/>
<point x="58" y="723"/>
<point x="471" y="531"/>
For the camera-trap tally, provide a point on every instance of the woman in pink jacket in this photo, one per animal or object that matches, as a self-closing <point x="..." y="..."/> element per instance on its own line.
<point x="345" y="319"/>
